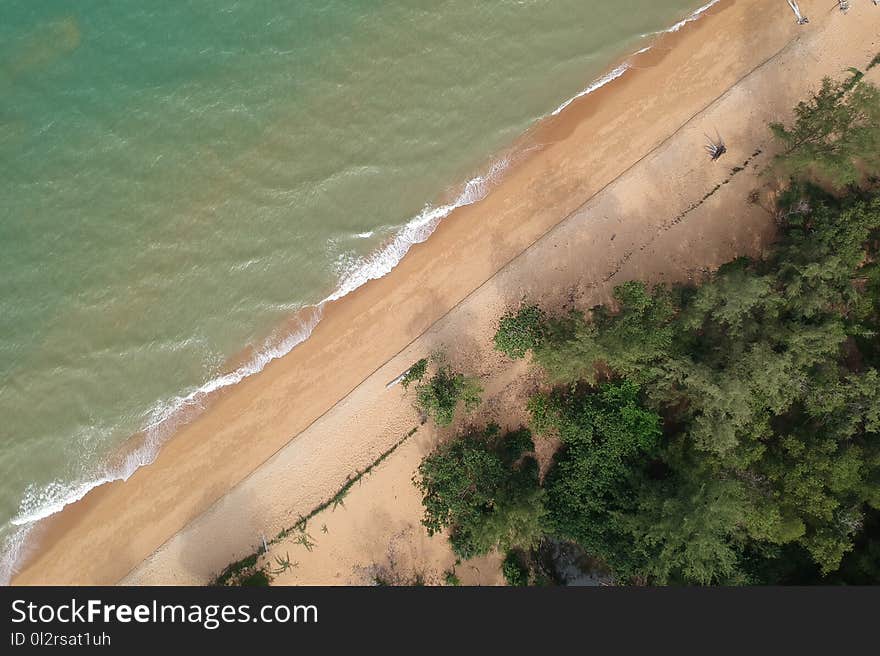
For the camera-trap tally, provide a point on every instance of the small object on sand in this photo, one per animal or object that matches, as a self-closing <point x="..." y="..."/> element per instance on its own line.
<point x="844" y="5"/>
<point x="394" y="382"/>
<point x="801" y="19"/>
<point x="715" y="147"/>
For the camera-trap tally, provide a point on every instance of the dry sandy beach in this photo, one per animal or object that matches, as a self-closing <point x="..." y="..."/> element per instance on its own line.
<point x="616" y="187"/>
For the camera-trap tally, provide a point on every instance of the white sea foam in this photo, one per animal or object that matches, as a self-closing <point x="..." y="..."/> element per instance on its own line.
<point x="415" y="231"/>
<point x="15" y="548"/>
<point x="623" y="68"/>
<point x="694" y="16"/>
<point x="42" y="502"/>
<point x="165" y="417"/>
<point x="39" y="503"/>
<point x="598" y="84"/>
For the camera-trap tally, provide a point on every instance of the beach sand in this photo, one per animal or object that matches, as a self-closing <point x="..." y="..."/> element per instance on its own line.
<point x="614" y="188"/>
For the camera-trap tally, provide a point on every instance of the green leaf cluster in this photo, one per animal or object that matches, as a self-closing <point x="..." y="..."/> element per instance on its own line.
<point x="521" y="331"/>
<point x="415" y="374"/>
<point x="836" y="134"/>
<point x="483" y="487"/>
<point x="440" y="395"/>
<point x="766" y="380"/>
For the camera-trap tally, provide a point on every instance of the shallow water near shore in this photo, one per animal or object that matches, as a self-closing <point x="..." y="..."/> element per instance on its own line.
<point x="180" y="180"/>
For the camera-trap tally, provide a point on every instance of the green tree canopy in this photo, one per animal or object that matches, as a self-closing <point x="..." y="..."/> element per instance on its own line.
<point x="484" y="488"/>
<point x="836" y="134"/>
<point x="722" y="432"/>
<point x="442" y="393"/>
<point x="520" y="331"/>
<point x="608" y="438"/>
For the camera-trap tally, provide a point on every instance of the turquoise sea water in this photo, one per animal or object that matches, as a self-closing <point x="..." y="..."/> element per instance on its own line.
<point x="180" y="177"/>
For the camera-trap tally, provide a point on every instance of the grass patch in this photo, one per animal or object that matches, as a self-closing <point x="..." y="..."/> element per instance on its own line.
<point x="258" y="578"/>
<point x="234" y="571"/>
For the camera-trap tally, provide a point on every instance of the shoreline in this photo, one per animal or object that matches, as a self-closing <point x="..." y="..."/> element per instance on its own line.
<point x="724" y="223"/>
<point x="259" y="396"/>
<point x="168" y="415"/>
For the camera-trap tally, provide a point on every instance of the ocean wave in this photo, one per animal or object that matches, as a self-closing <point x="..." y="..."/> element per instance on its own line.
<point x="623" y="68"/>
<point x="415" y="231"/>
<point x="694" y="16"/>
<point x="161" y="421"/>
<point x="16" y="548"/>
<point x="42" y="502"/>
<point x="598" y="84"/>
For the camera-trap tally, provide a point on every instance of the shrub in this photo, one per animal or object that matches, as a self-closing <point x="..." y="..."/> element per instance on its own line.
<point x="514" y="570"/>
<point x="256" y="578"/>
<point x="483" y="493"/>
<point x="439" y="397"/>
<point x="520" y="331"/>
<point x="415" y="373"/>
<point x="244" y="572"/>
<point x="836" y="135"/>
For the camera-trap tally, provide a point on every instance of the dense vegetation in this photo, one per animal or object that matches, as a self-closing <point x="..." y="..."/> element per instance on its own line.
<point x="727" y="432"/>
<point x="484" y="488"/>
<point x="521" y="331"/>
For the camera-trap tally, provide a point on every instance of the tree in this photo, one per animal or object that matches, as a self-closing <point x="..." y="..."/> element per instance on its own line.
<point x="637" y="334"/>
<point x="415" y="373"/>
<point x="608" y="440"/>
<point x="484" y="489"/>
<point x="444" y="391"/>
<point x="836" y="134"/>
<point x="686" y="531"/>
<point x="737" y="302"/>
<point x="722" y="432"/>
<point x="821" y="250"/>
<point x="764" y="378"/>
<point x="515" y="571"/>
